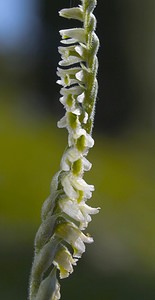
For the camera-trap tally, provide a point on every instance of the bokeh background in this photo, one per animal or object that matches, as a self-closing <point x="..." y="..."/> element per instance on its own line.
<point x="121" y="263"/>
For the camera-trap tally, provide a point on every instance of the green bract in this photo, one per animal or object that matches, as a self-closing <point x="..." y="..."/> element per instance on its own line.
<point x="65" y="214"/>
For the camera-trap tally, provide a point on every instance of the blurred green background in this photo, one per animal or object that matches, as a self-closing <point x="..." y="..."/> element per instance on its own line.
<point x="121" y="263"/>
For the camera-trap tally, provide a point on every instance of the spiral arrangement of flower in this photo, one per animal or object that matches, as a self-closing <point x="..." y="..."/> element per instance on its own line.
<point x="60" y="240"/>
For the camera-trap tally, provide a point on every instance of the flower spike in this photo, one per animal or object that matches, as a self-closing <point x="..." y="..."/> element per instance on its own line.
<point x="65" y="214"/>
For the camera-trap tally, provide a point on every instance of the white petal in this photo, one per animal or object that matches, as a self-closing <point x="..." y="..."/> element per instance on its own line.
<point x="72" y="235"/>
<point x="62" y="72"/>
<point x="49" y="287"/>
<point x="65" y="81"/>
<point x="71" y="208"/>
<point x="64" y="262"/>
<point x="89" y="209"/>
<point x="70" y="61"/>
<point x="80" y="132"/>
<point x="79" y="50"/>
<point x="73" y="154"/>
<point x="70" y="139"/>
<point x="76" y="111"/>
<point x="85" y="118"/>
<point x="86" y="239"/>
<point x="81" y="97"/>
<point x="68" y="102"/>
<point x="63" y="100"/>
<point x="78" y="34"/>
<point x="65" y="163"/>
<point x="62" y="123"/>
<point x="79" y="248"/>
<point x="89" y="141"/>
<point x="68" y="231"/>
<point x="72" y="13"/>
<point x="68" y="41"/>
<point x="86" y="211"/>
<point x="70" y="155"/>
<point x="65" y="51"/>
<point x="86" y="164"/>
<point x="80" y="184"/>
<point x="80" y="75"/>
<point x="68" y="188"/>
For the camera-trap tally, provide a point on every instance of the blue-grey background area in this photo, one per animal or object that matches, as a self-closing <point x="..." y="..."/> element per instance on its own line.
<point x="121" y="262"/>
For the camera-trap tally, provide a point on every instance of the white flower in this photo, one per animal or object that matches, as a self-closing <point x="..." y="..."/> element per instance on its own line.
<point x="79" y="246"/>
<point x="77" y="135"/>
<point x="73" y="235"/>
<point x="78" y="34"/>
<point x="67" y="78"/>
<point x="72" y="184"/>
<point x="65" y="52"/>
<point x="71" y="208"/>
<point x="68" y="187"/>
<point x="81" y="185"/>
<point x="72" y="123"/>
<point x="70" y="103"/>
<point x="81" y="136"/>
<point x="70" y="120"/>
<point x="87" y="211"/>
<point x="64" y="261"/>
<point x="89" y="141"/>
<point x="73" y="13"/>
<point x="78" y="211"/>
<point x="86" y="164"/>
<point x="70" y="156"/>
<point x="70" y="61"/>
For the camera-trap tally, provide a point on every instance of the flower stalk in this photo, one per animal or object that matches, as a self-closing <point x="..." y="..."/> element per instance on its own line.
<point x="65" y="214"/>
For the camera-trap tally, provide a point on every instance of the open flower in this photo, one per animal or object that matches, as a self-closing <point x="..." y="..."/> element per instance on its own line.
<point x="76" y="34"/>
<point x="73" y="235"/>
<point x="78" y="211"/>
<point x="73" y="184"/>
<point x="64" y="261"/>
<point x="73" y="13"/>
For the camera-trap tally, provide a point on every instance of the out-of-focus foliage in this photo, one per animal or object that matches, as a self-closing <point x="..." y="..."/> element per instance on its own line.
<point x="121" y="263"/>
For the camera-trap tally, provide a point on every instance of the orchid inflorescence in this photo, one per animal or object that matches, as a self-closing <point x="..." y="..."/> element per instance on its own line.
<point x="60" y="240"/>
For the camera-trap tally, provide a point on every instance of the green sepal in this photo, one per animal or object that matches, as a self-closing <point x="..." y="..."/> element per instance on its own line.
<point x="89" y="5"/>
<point x="42" y="261"/>
<point x="73" y="120"/>
<point x="70" y="100"/>
<point x="77" y="167"/>
<point x="80" y="144"/>
<point x="45" y="231"/>
<point x="81" y="194"/>
<point x="49" y="288"/>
